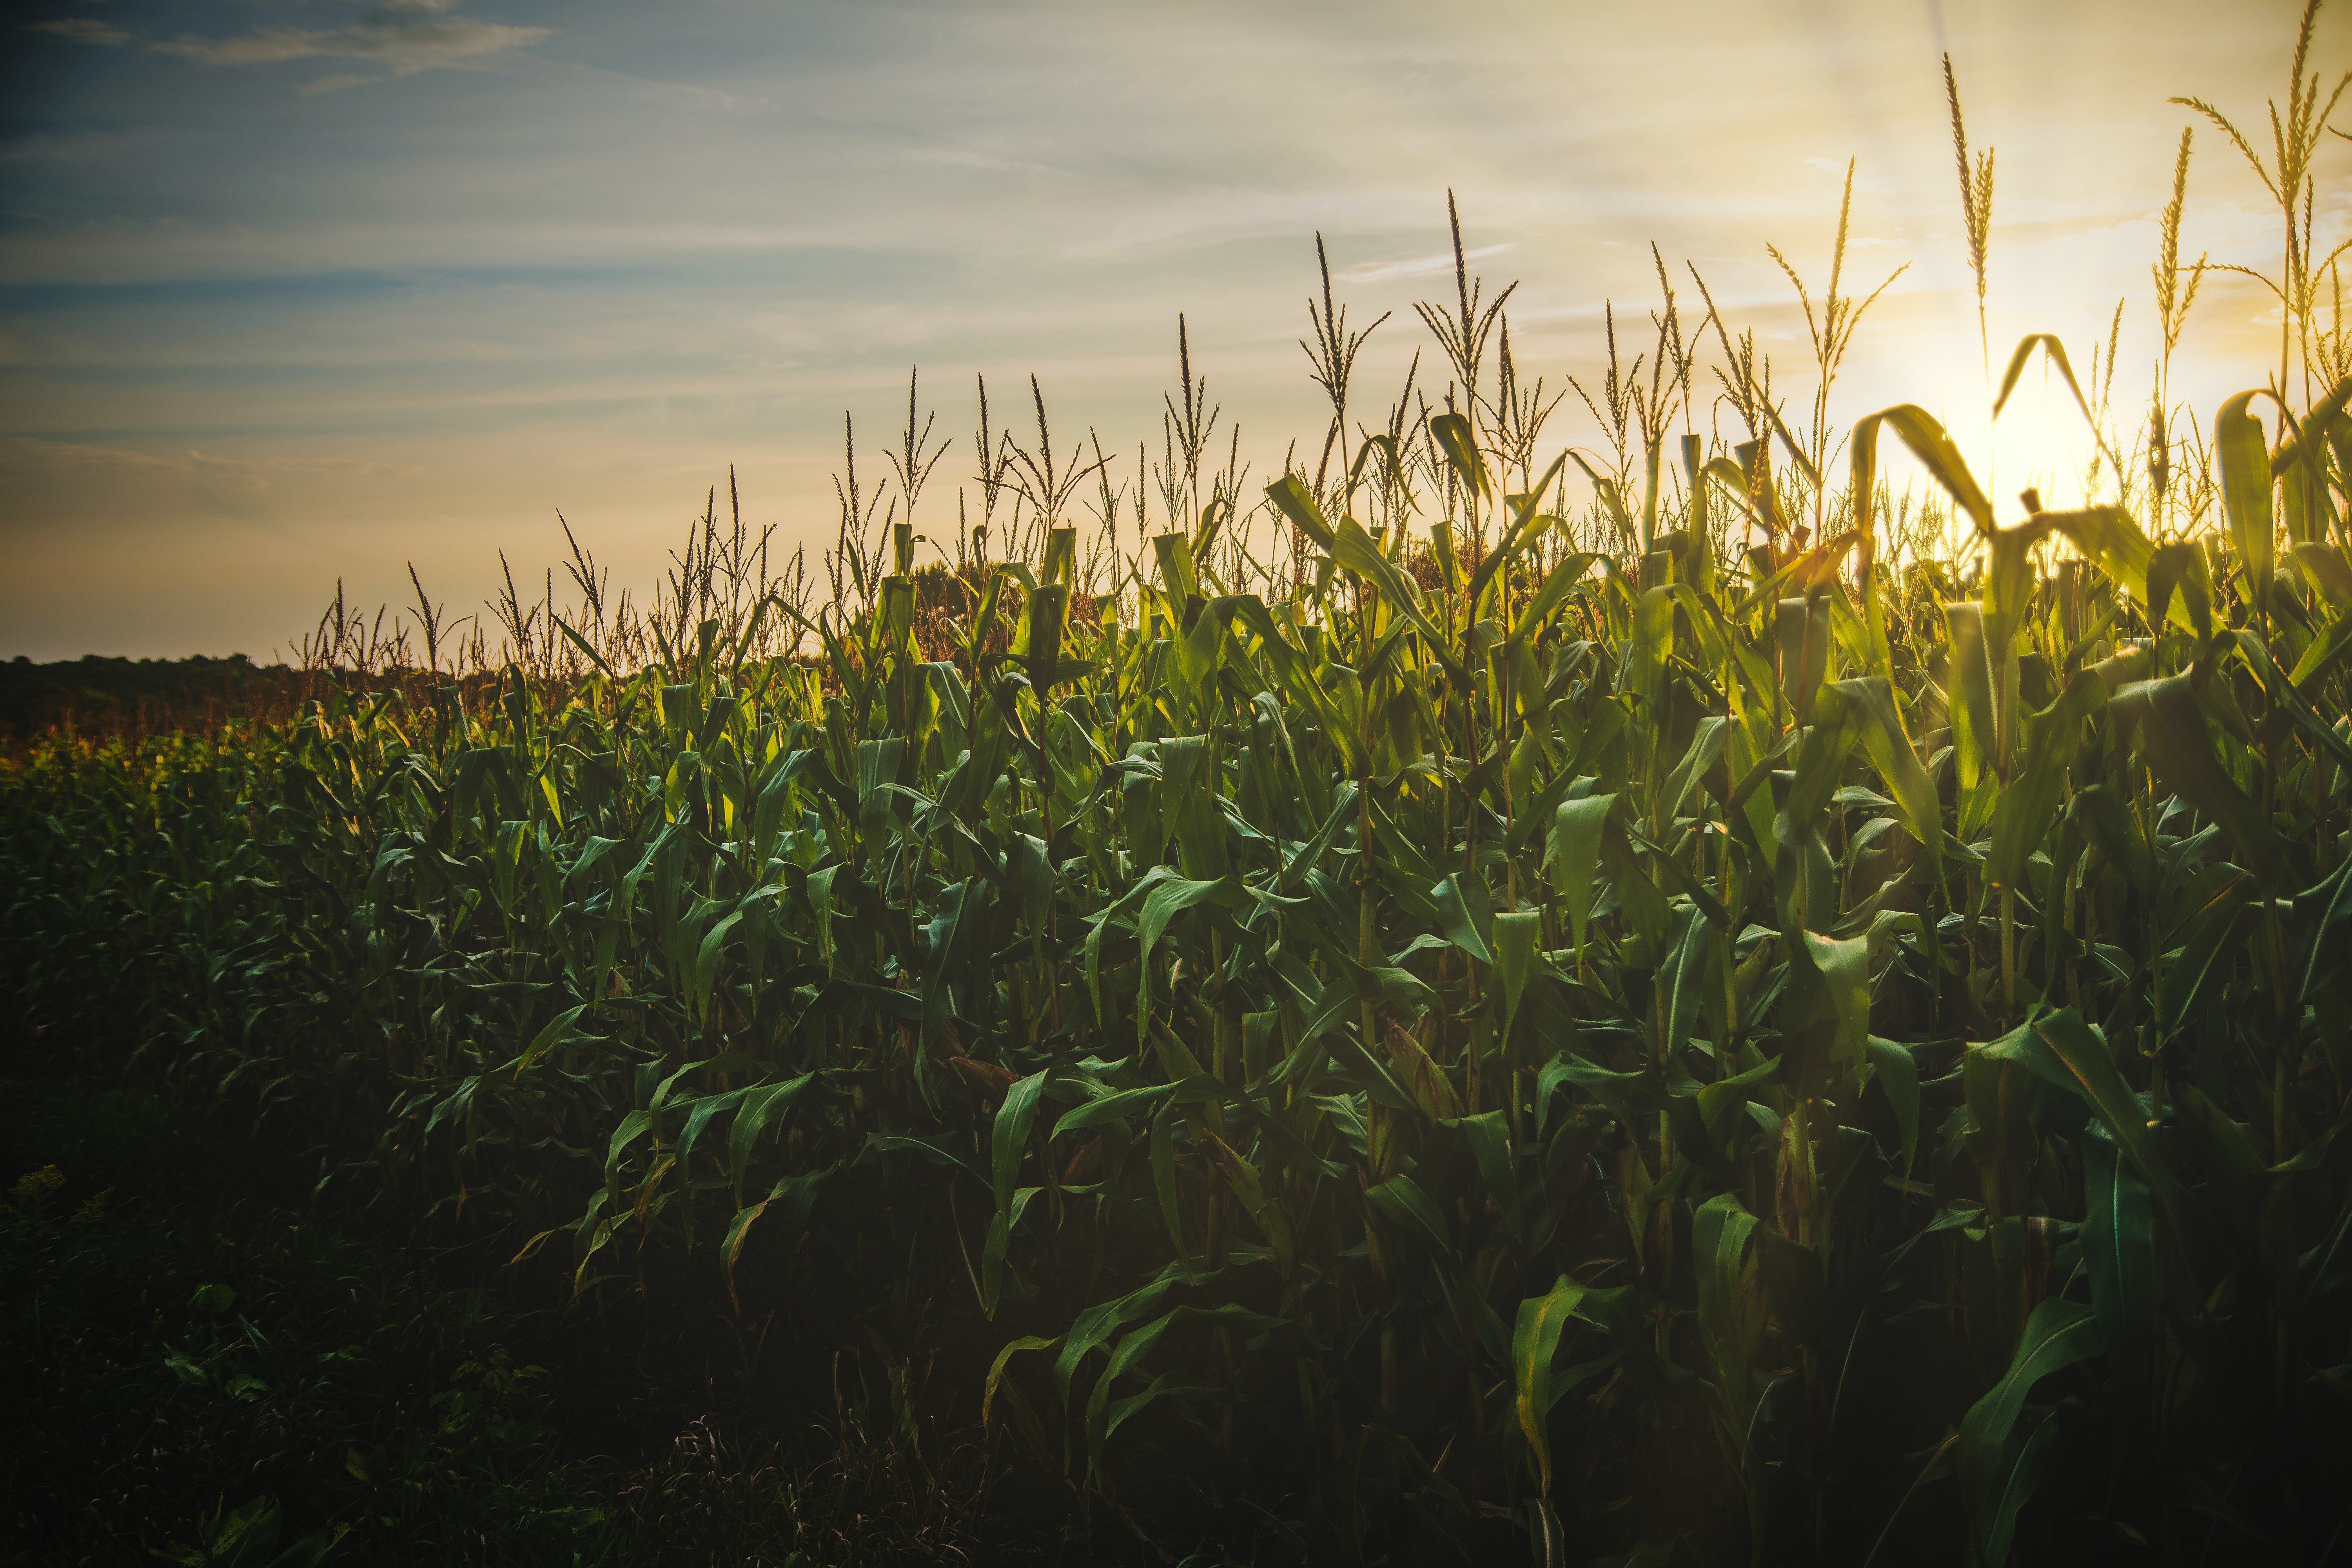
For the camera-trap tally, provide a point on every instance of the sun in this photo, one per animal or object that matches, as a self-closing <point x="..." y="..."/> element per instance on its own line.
<point x="2041" y="442"/>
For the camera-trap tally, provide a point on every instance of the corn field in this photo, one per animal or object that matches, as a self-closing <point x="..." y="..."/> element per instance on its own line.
<point x="1699" y="1028"/>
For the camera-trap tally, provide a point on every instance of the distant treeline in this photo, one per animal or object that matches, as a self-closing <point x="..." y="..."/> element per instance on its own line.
<point x="98" y="695"/>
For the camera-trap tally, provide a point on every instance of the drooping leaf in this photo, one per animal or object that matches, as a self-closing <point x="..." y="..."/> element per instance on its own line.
<point x="2059" y="1334"/>
<point x="2172" y="733"/>
<point x="1534" y="1339"/>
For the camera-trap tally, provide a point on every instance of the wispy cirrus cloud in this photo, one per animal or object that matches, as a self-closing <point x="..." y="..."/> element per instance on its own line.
<point x="405" y="35"/>
<point x="1413" y="267"/>
<point x="83" y="30"/>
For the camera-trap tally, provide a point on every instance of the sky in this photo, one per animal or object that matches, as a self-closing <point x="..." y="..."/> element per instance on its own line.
<point x="295" y="292"/>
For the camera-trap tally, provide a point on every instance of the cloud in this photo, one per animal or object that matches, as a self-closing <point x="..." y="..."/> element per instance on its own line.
<point x="974" y="158"/>
<point x="1418" y="266"/>
<point x="406" y="34"/>
<point x="700" y="97"/>
<point x="1869" y="185"/>
<point x="242" y="475"/>
<point x="330" y="84"/>
<point x="84" y="30"/>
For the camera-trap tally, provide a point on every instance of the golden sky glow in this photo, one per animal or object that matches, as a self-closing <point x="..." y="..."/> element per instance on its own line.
<point x="294" y="293"/>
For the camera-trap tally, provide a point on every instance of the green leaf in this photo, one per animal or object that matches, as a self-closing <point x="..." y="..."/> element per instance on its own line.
<point x="800" y="1192"/>
<point x="1844" y="970"/>
<point x="2327" y="570"/>
<point x="2059" y="1334"/>
<point x="1709" y="742"/>
<point x="1116" y="1106"/>
<point x="2246" y="484"/>
<point x="2177" y="571"/>
<point x="1270" y="1212"/>
<point x="2178" y="748"/>
<point x="1517" y="938"/>
<point x="1402" y="1199"/>
<point x="1925" y="437"/>
<point x="1097" y="1323"/>
<point x="1297" y="503"/>
<point x="1534" y="1339"/>
<point x="2103" y="815"/>
<point x="996" y="1368"/>
<point x="1001" y="1227"/>
<point x="1343" y="812"/>
<point x="1353" y="548"/>
<point x="1683" y="971"/>
<point x="2021" y="818"/>
<point x="704" y="1111"/>
<point x="1163" y="1181"/>
<point x="2108" y="536"/>
<point x="1643" y="672"/>
<point x="1465" y="914"/>
<point x="1009" y="1143"/>
<point x="1612" y="498"/>
<point x="2017" y="1484"/>
<point x="1820" y="763"/>
<point x="1719" y="1231"/>
<point x="1632" y="1096"/>
<point x="1525" y="525"/>
<point x="1546" y="598"/>
<point x="1576" y="849"/>
<point x="1789" y="444"/>
<point x="1870" y="709"/>
<point x="1461" y="448"/>
<point x="706" y="962"/>
<point x="2118" y="1254"/>
<point x="2318" y="912"/>
<point x="2062" y="1049"/>
<point x="1970" y="689"/>
<point x="1489" y="1136"/>
<point x="1899" y="1077"/>
<point x="1170" y="899"/>
<point x="2212" y="935"/>
<point x="557" y="1030"/>
<point x="1178" y="579"/>
<point x="2047" y="343"/>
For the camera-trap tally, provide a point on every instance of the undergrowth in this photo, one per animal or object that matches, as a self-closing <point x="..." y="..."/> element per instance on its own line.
<point x="202" y="1365"/>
